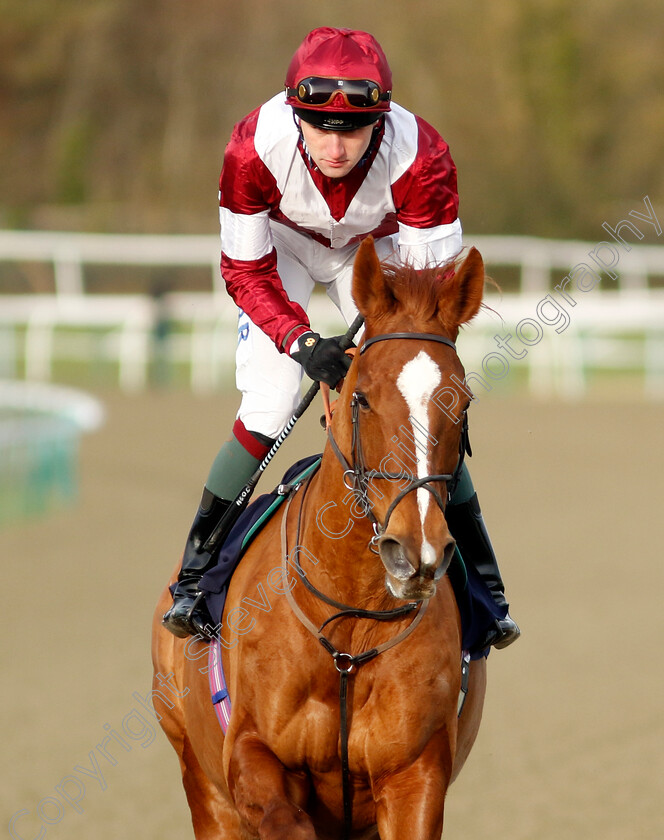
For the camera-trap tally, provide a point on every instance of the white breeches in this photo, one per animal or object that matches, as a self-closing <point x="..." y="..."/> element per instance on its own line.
<point x="268" y="380"/>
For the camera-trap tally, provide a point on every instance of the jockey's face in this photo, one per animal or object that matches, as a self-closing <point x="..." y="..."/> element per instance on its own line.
<point x="335" y="153"/>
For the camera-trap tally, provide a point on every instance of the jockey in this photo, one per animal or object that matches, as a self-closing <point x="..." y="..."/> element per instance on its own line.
<point x="305" y="178"/>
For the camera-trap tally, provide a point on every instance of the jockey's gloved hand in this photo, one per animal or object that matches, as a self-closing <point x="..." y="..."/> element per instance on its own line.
<point x="323" y="359"/>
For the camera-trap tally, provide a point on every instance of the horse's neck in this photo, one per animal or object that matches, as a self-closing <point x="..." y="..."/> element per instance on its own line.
<point x="336" y="538"/>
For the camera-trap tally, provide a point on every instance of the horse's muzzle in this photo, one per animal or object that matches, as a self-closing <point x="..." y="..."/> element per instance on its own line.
<point x="409" y="576"/>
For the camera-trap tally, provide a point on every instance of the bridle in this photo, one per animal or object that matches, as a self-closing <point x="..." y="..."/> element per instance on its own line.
<point x="357" y="476"/>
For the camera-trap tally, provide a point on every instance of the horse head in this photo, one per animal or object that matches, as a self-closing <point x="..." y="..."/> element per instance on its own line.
<point x="406" y="410"/>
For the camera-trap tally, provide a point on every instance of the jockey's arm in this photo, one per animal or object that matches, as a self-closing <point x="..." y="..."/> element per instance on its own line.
<point x="426" y="246"/>
<point x="248" y="259"/>
<point x="256" y="288"/>
<point x="427" y="203"/>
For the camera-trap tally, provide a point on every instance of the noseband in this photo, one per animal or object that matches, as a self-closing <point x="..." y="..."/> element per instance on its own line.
<point x="357" y="476"/>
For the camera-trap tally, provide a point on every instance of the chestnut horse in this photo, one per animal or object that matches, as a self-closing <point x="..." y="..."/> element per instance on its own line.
<point x="302" y="759"/>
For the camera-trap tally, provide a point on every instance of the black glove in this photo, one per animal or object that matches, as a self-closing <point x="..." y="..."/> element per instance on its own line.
<point x="323" y="359"/>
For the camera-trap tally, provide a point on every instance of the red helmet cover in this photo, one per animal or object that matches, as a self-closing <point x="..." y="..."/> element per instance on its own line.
<point x="339" y="54"/>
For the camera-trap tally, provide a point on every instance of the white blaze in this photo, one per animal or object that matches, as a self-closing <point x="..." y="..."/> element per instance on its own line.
<point x="417" y="382"/>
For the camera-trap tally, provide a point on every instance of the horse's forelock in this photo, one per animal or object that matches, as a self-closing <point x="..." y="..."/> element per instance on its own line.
<point x="419" y="292"/>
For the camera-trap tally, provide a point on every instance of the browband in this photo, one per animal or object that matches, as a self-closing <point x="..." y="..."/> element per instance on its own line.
<point x="423" y="336"/>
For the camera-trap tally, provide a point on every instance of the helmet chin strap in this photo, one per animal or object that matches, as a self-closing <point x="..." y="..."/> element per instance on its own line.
<point x="302" y="141"/>
<point x="378" y="125"/>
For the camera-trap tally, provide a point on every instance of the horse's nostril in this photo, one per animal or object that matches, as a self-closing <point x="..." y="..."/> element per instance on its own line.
<point x="394" y="558"/>
<point x="448" y="554"/>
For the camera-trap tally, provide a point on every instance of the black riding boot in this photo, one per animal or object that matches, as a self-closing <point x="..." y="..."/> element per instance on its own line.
<point x="189" y="615"/>
<point x="468" y="529"/>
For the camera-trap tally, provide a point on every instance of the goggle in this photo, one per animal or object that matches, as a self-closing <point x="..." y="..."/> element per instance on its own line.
<point x="357" y="93"/>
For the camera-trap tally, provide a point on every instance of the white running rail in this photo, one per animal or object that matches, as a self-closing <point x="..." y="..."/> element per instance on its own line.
<point x="617" y="325"/>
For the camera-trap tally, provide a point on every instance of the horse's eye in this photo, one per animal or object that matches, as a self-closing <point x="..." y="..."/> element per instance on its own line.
<point x="362" y="400"/>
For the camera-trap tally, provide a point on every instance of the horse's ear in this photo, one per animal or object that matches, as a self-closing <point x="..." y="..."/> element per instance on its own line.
<point x="370" y="291"/>
<point x="462" y="298"/>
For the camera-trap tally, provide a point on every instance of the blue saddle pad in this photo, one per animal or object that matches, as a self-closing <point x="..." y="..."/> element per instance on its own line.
<point x="477" y="608"/>
<point x="215" y="582"/>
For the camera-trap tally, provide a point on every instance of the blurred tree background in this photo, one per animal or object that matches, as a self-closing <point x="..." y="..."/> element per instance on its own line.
<point x="115" y="113"/>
